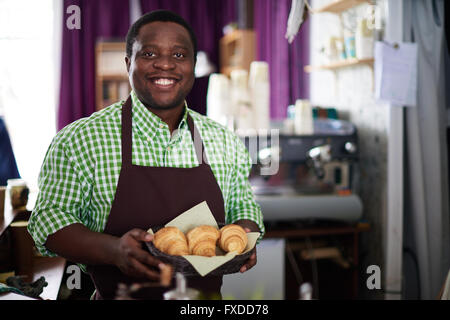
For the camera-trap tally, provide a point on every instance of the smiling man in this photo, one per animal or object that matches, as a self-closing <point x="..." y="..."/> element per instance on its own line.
<point x="108" y="178"/>
<point x="161" y="67"/>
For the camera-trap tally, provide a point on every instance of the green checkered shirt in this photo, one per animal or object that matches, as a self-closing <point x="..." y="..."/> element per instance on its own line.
<point x="79" y="176"/>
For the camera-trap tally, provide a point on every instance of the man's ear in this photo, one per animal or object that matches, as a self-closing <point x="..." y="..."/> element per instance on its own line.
<point x="128" y="63"/>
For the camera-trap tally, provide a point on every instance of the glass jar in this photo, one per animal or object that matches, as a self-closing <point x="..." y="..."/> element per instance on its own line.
<point x="17" y="191"/>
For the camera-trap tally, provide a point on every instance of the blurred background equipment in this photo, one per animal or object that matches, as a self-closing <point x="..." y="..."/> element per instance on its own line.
<point x="218" y="100"/>
<point x="316" y="174"/>
<point x="259" y="88"/>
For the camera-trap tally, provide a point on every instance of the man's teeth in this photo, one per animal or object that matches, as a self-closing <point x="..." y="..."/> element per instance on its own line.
<point x="165" y="82"/>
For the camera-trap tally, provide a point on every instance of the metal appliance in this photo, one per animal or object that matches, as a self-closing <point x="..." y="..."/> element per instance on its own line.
<point x="306" y="176"/>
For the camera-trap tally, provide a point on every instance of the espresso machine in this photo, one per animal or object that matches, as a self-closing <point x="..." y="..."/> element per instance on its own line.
<point x="306" y="176"/>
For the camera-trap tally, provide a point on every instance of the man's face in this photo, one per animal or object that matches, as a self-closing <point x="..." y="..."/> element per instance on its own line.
<point x="161" y="68"/>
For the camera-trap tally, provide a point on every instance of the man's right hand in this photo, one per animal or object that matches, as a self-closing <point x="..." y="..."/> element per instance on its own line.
<point x="132" y="260"/>
<point x="96" y="248"/>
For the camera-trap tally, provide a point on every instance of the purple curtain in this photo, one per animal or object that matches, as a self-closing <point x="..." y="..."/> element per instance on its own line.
<point x="110" y="19"/>
<point x="207" y="18"/>
<point x="288" y="81"/>
<point x="99" y="19"/>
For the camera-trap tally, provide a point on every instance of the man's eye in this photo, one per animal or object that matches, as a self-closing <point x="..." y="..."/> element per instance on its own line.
<point x="148" y="54"/>
<point x="179" y="55"/>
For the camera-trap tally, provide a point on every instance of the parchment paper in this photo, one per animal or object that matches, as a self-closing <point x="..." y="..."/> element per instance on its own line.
<point x="201" y="215"/>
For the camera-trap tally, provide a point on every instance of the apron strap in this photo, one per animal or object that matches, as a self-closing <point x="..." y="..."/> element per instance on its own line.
<point x="126" y="133"/>
<point x="198" y="142"/>
<point x="127" y="137"/>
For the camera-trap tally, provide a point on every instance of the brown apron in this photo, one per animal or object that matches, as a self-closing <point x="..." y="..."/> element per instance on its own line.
<point x="152" y="196"/>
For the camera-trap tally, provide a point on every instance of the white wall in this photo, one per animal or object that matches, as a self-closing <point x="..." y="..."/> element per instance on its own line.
<point x="351" y="91"/>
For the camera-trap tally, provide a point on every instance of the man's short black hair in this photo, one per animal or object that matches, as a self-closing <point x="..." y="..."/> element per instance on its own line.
<point x="158" y="15"/>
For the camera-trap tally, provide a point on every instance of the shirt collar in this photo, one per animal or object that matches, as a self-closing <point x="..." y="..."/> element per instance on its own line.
<point x="149" y="123"/>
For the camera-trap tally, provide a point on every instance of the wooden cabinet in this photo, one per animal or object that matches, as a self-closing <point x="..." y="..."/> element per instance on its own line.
<point x="326" y="256"/>
<point x="237" y="51"/>
<point x="339" y="6"/>
<point x="111" y="77"/>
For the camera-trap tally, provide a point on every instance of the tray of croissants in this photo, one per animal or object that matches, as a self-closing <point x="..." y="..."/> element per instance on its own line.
<point x="170" y="244"/>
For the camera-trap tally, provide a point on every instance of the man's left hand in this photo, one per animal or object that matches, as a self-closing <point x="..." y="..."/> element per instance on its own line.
<point x="252" y="260"/>
<point x="249" y="226"/>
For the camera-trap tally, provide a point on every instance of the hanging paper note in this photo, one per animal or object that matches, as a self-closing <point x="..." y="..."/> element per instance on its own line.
<point x="396" y="73"/>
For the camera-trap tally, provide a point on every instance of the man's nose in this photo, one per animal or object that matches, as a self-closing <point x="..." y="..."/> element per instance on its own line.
<point x="164" y="63"/>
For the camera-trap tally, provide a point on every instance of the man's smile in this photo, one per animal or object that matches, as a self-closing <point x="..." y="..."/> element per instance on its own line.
<point x="164" y="82"/>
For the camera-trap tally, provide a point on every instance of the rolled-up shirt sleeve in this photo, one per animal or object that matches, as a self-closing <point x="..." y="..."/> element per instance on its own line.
<point x="241" y="202"/>
<point x="60" y="200"/>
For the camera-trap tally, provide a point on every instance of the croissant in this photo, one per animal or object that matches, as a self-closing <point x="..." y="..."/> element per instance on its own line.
<point x="171" y="240"/>
<point x="233" y="238"/>
<point x="202" y="240"/>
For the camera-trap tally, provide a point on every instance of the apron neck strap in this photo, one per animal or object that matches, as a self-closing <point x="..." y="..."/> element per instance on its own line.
<point x="126" y="133"/>
<point x="127" y="136"/>
<point x="197" y="141"/>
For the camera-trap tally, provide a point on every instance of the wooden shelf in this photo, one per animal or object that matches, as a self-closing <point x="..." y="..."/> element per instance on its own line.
<point x="338" y="6"/>
<point x="341" y="64"/>
<point x="237" y="50"/>
<point x="7" y="220"/>
<point x="111" y="77"/>
<point x="10" y="215"/>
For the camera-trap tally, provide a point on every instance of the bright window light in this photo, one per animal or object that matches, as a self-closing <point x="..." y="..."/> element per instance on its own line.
<point x="29" y="79"/>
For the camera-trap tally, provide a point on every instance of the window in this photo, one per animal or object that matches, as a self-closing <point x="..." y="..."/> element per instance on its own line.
<point x="29" y="79"/>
